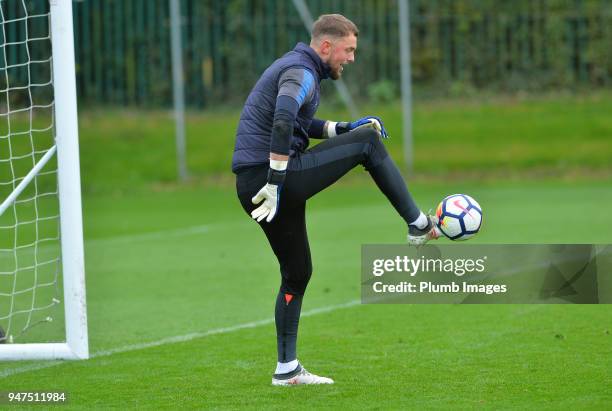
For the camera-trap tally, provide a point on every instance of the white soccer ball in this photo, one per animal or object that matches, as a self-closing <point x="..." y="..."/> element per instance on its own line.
<point x="459" y="216"/>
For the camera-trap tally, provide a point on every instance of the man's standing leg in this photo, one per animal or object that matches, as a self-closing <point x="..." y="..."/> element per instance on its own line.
<point x="289" y="241"/>
<point x="288" y="238"/>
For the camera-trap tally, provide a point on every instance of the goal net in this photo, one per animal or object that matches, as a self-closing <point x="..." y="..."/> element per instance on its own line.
<point x="42" y="292"/>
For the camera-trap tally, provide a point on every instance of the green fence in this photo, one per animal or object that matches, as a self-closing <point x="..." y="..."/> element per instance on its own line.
<point x="123" y="46"/>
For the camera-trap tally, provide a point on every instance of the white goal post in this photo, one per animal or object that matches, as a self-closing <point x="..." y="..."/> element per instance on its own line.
<point x="68" y="192"/>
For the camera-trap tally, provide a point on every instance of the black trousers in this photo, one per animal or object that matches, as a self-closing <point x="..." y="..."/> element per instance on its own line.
<point x="308" y="173"/>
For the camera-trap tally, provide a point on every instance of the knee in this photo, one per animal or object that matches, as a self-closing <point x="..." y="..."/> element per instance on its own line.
<point x="374" y="148"/>
<point x="368" y="135"/>
<point x="374" y="151"/>
<point x="295" y="278"/>
<point x="373" y="135"/>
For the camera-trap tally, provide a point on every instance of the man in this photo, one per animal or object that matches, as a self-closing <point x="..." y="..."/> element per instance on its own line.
<point x="276" y="173"/>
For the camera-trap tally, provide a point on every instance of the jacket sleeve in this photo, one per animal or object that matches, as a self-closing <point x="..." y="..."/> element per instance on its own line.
<point x="316" y="129"/>
<point x="295" y="88"/>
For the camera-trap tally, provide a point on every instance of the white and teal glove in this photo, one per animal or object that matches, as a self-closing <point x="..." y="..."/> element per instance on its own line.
<point x="270" y="193"/>
<point x="333" y="128"/>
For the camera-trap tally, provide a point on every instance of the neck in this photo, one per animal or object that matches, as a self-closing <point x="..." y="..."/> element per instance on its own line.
<point x="318" y="51"/>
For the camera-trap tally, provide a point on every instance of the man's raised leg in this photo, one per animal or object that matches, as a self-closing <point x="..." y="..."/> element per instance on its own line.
<point x="323" y="165"/>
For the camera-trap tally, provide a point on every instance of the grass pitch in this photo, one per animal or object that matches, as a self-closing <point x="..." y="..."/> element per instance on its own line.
<point x="190" y="261"/>
<point x="181" y="284"/>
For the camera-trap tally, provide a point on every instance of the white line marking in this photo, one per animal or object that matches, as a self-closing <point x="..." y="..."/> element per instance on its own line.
<point x="162" y="234"/>
<point x="116" y="239"/>
<point x="175" y="339"/>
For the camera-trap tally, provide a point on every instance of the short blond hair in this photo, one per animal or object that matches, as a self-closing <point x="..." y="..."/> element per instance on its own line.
<point x="334" y="25"/>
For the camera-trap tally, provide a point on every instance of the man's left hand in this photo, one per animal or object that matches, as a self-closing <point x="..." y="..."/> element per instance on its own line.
<point x="369" y="121"/>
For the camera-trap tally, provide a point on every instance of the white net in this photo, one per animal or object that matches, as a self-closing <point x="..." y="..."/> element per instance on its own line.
<point x="29" y="224"/>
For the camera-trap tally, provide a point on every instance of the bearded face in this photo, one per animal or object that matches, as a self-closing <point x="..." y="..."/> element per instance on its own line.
<point x="336" y="72"/>
<point x="341" y="52"/>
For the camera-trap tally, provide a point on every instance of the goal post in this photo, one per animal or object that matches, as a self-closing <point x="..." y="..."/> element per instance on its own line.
<point x="70" y="261"/>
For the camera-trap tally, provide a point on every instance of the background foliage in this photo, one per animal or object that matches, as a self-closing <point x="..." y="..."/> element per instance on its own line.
<point x="458" y="46"/>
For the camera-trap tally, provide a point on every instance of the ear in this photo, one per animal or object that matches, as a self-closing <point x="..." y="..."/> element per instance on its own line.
<point x="325" y="47"/>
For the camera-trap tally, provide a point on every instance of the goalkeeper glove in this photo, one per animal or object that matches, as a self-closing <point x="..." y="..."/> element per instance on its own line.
<point x="270" y="193"/>
<point x="333" y="128"/>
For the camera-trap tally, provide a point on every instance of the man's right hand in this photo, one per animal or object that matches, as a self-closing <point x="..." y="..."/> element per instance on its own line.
<point x="270" y="194"/>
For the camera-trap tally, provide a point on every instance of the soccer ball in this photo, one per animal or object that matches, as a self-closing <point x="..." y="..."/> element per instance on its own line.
<point x="459" y="216"/>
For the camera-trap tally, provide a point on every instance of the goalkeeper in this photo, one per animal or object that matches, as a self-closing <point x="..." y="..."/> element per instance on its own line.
<point x="276" y="173"/>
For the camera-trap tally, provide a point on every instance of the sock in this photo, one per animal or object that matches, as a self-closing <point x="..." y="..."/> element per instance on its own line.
<point x="389" y="180"/>
<point x="286" y="367"/>
<point x="287" y="318"/>
<point x="420" y="222"/>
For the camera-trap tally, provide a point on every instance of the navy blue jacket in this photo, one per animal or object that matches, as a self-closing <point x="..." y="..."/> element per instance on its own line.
<point x="255" y="127"/>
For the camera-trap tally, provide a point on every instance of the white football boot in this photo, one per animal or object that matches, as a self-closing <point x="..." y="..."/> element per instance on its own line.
<point x="300" y="377"/>
<point x="417" y="236"/>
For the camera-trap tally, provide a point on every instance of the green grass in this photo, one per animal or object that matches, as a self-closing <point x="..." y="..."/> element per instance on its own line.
<point x="148" y="281"/>
<point x="166" y="259"/>
<point x="555" y="136"/>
